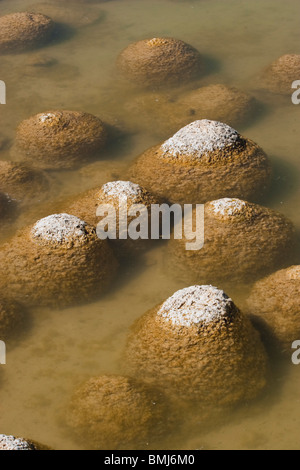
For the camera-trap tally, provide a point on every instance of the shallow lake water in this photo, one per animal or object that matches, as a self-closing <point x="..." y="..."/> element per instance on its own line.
<point x="60" y="349"/>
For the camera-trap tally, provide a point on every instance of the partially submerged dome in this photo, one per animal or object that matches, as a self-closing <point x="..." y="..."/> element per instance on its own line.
<point x="160" y="62"/>
<point x="203" y="161"/>
<point x="22" y="31"/>
<point x="60" y="139"/>
<point x="58" y="262"/>
<point x="199" y="346"/>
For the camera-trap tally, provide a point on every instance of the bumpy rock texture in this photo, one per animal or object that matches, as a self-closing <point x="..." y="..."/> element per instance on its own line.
<point x="116" y="193"/>
<point x="23" y="31"/>
<point x="60" y="139"/>
<point x="242" y="243"/>
<point x="280" y="75"/>
<point x="114" y="412"/>
<point x="160" y="62"/>
<point x="275" y="303"/>
<point x="199" y="346"/>
<point x="59" y="261"/>
<point x="203" y="161"/>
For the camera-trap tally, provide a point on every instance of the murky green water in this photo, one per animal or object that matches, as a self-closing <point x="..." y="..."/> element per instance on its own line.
<point x="61" y="349"/>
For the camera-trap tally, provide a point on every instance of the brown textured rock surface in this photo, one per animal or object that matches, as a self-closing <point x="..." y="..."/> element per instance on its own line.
<point x="22" y="183"/>
<point x="60" y="139"/>
<point x="203" y="161"/>
<point x="114" y="412"/>
<point x="199" y="346"/>
<point x="160" y="61"/>
<point x="242" y="243"/>
<point x="58" y="262"/>
<point x="115" y="193"/>
<point x="275" y="302"/>
<point x="280" y="75"/>
<point x="22" y="31"/>
<point x="11" y="317"/>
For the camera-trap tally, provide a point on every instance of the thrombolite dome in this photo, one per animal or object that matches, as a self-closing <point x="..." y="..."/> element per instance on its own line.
<point x="22" y="31"/>
<point x="198" y="346"/>
<point x="60" y="139"/>
<point x="242" y="242"/>
<point x="24" y="184"/>
<point x="274" y="302"/>
<point x="280" y="75"/>
<point x="116" y="412"/>
<point x="202" y="161"/>
<point x="58" y="262"/>
<point x="126" y="195"/>
<point x="160" y="62"/>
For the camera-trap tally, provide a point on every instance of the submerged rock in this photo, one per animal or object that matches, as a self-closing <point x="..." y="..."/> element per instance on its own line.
<point x="24" y="184"/>
<point x="115" y="412"/>
<point x="280" y="75"/>
<point x="160" y="62"/>
<point x="22" y="31"/>
<point x="275" y="304"/>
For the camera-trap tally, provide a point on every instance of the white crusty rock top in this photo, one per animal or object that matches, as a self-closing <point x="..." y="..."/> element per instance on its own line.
<point x="122" y="190"/>
<point x="227" y="207"/>
<point x="199" y="138"/>
<point x="13" y="443"/>
<point x="196" y="304"/>
<point x="60" y="229"/>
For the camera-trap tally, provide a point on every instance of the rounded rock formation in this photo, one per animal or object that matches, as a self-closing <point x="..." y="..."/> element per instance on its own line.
<point x="60" y="139"/>
<point x="274" y="303"/>
<point x="115" y="412"/>
<point x="242" y="243"/>
<point x="119" y="195"/>
<point x="24" y="184"/>
<point x="280" y="75"/>
<point x="203" y="161"/>
<point x="58" y="262"/>
<point x="160" y="62"/>
<point x="22" y="31"/>
<point x="199" y="346"/>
